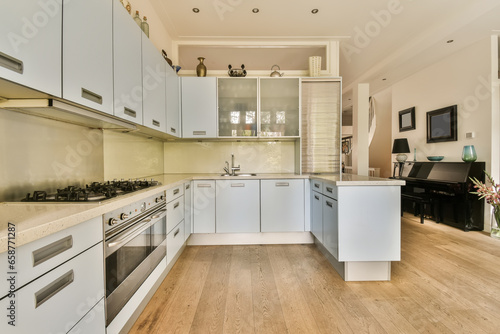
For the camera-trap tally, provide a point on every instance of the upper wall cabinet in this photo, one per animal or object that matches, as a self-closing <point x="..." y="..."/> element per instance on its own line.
<point x="199" y="107"/>
<point x="153" y="86"/>
<point x="127" y="65"/>
<point x="173" y="103"/>
<point x="87" y="53"/>
<point x="30" y="44"/>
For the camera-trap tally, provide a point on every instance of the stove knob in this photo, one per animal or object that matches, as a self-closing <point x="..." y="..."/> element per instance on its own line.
<point x="123" y="216"/>
<point x="112" y="221"/>
<point x="159" y="199"/>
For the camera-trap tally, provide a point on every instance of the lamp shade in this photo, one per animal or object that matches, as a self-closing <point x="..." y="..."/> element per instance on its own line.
<point x="400" y="146"/>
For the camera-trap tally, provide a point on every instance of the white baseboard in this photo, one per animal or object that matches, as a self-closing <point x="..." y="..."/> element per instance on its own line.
<point x="205" y="239"/>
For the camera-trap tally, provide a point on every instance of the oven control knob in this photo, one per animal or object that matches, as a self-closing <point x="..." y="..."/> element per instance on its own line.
<point x="112" y="221"/>
<point x="123" y="216"/>
<point x="159" y="199"/>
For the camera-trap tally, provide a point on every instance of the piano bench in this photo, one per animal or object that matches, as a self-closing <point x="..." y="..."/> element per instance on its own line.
<point x="421" y="199"/>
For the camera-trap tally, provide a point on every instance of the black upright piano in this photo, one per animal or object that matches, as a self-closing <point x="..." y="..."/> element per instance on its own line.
<point x="448" y="186"/>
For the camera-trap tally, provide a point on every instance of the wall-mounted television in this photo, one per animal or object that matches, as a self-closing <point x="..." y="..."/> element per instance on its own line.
<point x="442" y="124"/>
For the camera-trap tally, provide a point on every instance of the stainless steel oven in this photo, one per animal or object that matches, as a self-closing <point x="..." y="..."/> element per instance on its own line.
<point x="135" y="244"/>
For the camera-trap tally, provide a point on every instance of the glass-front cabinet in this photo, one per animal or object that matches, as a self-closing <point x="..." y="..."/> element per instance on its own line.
<point x="237" y="107"/>
<point x="279" y="107"/>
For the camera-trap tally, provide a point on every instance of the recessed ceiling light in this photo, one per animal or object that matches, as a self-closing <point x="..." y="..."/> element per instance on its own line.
<point x="449" y="41"/>
<point x="255" y="10"/>
<point x="196" y="10"/>
<point x="315" y="11"/>
<point x="384" y="79"/>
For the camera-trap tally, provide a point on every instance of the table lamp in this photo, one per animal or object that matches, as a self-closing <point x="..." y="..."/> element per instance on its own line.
<point x="401" y="147"/>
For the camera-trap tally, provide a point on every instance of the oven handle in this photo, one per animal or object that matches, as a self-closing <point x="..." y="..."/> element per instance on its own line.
<point x="132" y="234"/>
<point x="159" y="214"/>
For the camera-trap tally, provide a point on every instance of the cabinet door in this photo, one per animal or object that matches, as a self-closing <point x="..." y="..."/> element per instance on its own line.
<point x="93" y="322"/>
<point x="204" y="207"/>
<point x="153" y="87"/>
<point x="317" y="215"/>
<point x="331" y="226"/>
<point x="175" y="240"/>
<point x="187" y="210"/>
<point x="237" y="206"/>
<point x="173" y="85"/>
<point x="30" y="44"/>
<point x="237" y="105"/>
<point x="279" y="107"/>
<point x="88" y="53"/>
<point x="127" y="65"/>
<point x="282" y="205"/>
<point x="199" y="107"/>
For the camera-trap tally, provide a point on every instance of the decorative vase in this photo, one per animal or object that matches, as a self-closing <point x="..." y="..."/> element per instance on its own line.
<point x="495" y="223"/>
<point x="469" y="153"/>
<point x="145" y="26"/>
<point x="201" y="69"/>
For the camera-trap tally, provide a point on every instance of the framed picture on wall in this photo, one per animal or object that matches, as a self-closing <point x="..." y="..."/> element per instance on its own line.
<point x="442" y="124"/>
<point x="407" y="119"/>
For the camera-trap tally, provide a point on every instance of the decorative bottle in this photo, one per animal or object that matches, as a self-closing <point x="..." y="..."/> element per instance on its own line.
<point x="137" y="18"/>
<point x="469" y="153"/>
<point x="145" y="26"/>
<point x="201" y="69"/>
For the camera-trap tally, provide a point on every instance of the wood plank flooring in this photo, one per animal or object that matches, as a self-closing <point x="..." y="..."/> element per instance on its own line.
<point x="448" y="281"/>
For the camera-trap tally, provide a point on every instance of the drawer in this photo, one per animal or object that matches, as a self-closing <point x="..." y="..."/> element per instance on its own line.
<point x="93" y="322"/>
<point x="175" y="240"/>
<point x="42" y="255"/>
<point x="175" y="213"/>
<point x="175" y="192"/>
<point x="56" y="301"/>
<point x="330" y="190"/>
<point x="317" y="185"/>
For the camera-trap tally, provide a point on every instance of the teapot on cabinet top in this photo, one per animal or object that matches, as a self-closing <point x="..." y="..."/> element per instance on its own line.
<point x="276" y="73"/>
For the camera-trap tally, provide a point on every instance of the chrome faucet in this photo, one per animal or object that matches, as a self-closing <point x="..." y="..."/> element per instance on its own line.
<point x="226" y="169"/>
<point x="233" y="168"/>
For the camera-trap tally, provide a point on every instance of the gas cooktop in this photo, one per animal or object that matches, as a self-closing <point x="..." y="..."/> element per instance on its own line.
<point x="93" y="192"/>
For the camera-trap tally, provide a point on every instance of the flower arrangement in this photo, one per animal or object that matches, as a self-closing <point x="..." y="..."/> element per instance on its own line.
<point x="492" y="197"/>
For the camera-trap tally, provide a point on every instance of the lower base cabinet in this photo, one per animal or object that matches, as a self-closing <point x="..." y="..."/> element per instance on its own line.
<point x="175" y="240"/>
<point x="204" y="206"/>
<point x="93" y="322"/>
<point x="330" y="226"/>
<point x="317" y="215"/>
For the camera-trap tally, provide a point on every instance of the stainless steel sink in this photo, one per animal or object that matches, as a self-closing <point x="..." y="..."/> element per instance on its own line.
<point x="240" y="174"/>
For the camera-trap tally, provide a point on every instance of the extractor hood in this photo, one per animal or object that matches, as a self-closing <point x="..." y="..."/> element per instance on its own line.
<point x="66" y="112"/>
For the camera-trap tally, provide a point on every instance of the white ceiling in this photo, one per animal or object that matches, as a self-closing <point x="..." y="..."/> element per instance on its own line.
<point x="380" y="39"/>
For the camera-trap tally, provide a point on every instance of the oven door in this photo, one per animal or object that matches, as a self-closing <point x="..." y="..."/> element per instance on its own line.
<point x="131" y="256"/>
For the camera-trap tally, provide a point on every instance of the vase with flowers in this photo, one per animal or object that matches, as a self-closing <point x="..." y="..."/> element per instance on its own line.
<point x="492" y="197"/>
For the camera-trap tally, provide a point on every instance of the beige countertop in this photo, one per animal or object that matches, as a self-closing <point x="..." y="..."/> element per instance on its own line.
<point x="32" y="221"/>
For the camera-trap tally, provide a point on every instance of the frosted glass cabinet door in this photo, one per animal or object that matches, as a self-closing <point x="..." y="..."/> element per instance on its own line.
<point x="30" y="55"/>
<point x="127" y="65"/>
<point x="199" y="107"/>
<point x="237" y="99"/>
<point x="279" y="107"/>
<point x="88" y="53"/>
<point x="173" y="85"/>
<point x="153" y="87"/>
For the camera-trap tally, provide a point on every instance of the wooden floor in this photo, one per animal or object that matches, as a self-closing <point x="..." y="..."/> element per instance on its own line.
<point x="448" y="281"/>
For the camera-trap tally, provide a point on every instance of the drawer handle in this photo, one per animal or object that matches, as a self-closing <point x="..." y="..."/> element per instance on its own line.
<point x="91" y="96"/>
<point x="176" y="232"/>
<point x="330" y="204"/>
<point x="204" y="185"/>
<point x="329" y="189"/>
<point x="11" y="63"/>
<point x="129" y="112"/>
<point x="316" y="197"/>
<point x="176" y="191"/>
<point x="173" y="130"/>
<point x="237" y="185"/>
<point x="53" y="288"/>
<point x="176" y="205"/>
<point x="188" y="186"/>
<point x="282" y="184"/>
<point x="156" y="123"/>
<point x="316" y="185"/>
<point x="49" y="251"/>
<point x="199" y="133"/>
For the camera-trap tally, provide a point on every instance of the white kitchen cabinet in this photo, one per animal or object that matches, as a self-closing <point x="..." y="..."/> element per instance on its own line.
<point x="173" y="95"/>
<point x="188" y="221"/>
<point x="127" y="65"/>
<point x="153" y="87"/>
<point x="175" y="240"/>
<point x="237" y="206"/>
<point x="175" y="212"/>
<point x="331" y="226"/>
<point x="30" y="44"/>
<point x="199" y="107"/>
<point x="93" y="322"/>
<point x="204" y="206"/>
<point x="88" y="54"/>
<point x="317" y="215"/>
<point x="282" y="205"/>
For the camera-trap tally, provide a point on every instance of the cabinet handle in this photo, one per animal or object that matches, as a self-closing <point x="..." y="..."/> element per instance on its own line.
<point x="156" y="123"/>
<point x="49" y="251"/>
<point x="237" y="184"/>
<point x="204" y="185"/>
<point x="282" y="184"/>
<point x="188" y="186"/>
<point x="91" y="96"/>
<point x="53" y="288"/>
<point x="11" y="63"/>
<point x="176" y="232"/>
<point x="176" y="205"/>
<point x="316" y="185"/>
<point x="176" y="191"/>
<point x="199" y="133"/>
<point x="316" y="197"/>
<point x="329" y="189"/>
<point x="173" y="130"/>
<point x="129" y="112"/>
<point x="330" y="204"/>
